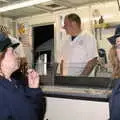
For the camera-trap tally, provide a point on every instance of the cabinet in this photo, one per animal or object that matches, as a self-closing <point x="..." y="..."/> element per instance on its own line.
<point x="75" y="109"/>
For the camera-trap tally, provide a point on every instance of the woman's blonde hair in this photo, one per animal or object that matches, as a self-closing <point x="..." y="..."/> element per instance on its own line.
<point x="114" y="62"/>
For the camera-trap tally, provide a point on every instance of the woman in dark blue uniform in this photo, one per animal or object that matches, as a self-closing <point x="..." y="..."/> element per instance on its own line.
<point x="114" y="56"/>
<point x="17" y="102"/>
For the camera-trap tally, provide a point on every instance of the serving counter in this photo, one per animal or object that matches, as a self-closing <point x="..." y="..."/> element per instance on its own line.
<point x="91" y="94"/>
<point x="78" y="98"/>
<point x="84" y="88"/>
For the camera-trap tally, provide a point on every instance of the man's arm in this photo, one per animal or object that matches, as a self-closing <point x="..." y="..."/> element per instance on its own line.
<point x="89" y="67"/>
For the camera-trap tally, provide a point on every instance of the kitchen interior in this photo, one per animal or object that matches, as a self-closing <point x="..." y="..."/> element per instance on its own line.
<point x="44" y="37"/>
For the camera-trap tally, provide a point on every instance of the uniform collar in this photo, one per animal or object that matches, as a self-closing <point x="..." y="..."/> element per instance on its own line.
<point x="76" y="37"/>
<point x="73" y="37"/>
<point x="6" y="83"/>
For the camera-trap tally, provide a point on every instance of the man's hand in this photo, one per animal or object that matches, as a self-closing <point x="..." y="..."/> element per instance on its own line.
<point x="89" y="67"/>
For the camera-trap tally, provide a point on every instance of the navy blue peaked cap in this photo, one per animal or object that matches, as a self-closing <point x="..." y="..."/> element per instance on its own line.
<point x="112" y="39"/>
<point x="5" y="42"/>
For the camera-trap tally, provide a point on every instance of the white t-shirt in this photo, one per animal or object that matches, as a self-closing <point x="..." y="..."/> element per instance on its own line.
<point x="77" y="53"/>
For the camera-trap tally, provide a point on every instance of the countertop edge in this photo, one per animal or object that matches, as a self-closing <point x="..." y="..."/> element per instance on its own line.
<point x="88" y="97"/>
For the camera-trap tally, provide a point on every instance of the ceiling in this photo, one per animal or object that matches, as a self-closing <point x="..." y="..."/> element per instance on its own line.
<point x="51" y="6"/>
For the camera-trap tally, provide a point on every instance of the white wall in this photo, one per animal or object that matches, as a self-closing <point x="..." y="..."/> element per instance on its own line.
<point x="38" y="19"/>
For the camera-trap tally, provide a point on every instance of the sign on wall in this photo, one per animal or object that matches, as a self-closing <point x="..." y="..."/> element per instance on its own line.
<point x="23" y="33"/>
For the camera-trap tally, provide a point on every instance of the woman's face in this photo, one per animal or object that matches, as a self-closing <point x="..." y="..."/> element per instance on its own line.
<point x="10" y="60"/>
<point x="118" y="47"/>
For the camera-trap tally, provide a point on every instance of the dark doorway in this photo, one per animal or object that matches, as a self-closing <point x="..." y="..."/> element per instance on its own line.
<point x="43" y="42"/>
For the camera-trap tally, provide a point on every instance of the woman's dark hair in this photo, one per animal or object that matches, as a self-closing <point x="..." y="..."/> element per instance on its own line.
<point x="21" y="74"/>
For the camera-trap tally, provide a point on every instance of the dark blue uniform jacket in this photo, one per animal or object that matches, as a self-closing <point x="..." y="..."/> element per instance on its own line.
<point x="115" y="102"/>
<point x="19" y="103"/>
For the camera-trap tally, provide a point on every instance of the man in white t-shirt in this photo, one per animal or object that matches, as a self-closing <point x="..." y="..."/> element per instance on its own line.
<point x="79" y="53"/>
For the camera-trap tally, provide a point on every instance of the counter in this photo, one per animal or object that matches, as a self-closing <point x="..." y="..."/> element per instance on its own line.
<point x="82" y="93"/>
<point x="84" y="88"/>
<point x="84" y="98"/>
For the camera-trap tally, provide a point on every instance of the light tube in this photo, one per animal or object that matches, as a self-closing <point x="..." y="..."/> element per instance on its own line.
<point x="22" y="5"/>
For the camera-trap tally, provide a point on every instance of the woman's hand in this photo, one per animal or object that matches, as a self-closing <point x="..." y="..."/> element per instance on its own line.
<point x="33" y="78"/>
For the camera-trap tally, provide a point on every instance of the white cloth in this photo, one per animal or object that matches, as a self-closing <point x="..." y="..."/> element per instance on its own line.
<point x="77" y="53"/>
<point x="19" y="50"/>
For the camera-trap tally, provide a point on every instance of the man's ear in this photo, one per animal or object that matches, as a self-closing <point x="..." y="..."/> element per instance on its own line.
<point x="73" y="23"/>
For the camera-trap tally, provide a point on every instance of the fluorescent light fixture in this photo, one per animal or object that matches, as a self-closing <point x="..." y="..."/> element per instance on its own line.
<point x="22" y="5"/>
<point x="3" y="1"/>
